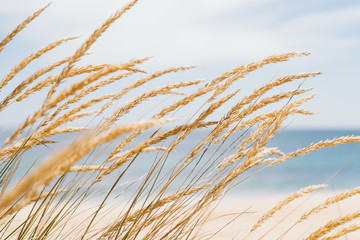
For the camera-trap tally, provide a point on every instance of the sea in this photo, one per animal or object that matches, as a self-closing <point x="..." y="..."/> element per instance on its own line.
<point x="338" y="166"/>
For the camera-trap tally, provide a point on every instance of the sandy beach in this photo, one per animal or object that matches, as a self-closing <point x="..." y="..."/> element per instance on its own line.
<point x="236" y="215"/>
<point x="251" y="208"/>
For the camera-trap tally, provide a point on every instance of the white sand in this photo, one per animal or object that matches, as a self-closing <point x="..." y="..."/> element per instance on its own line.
<point x="247" y="209"/>
<point x="253" y="207"/>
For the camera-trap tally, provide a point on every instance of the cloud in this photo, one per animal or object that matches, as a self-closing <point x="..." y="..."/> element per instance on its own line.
<point x="199" y="32"/>
<point x="193" y="30"/>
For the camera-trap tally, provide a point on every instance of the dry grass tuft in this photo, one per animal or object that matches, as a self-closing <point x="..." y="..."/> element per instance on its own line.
<point x="284" y="202"/>
<point x="106" y="160"/>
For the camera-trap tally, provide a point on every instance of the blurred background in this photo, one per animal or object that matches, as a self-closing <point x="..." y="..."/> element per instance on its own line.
<point x="216" y="36"/>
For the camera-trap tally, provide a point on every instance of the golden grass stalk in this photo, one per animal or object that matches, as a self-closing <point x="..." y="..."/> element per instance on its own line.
<point x="258" y="119"/>
<point x="51" y="79"/>
<point x="85" y="92"/>
<point x="69" y="92"/>
<point x="86" y="168"/>
<point x="67" y="130"/>
<point x="331" y="225"/>
<point x="343" y="232"/>
<point x="186" y="100"/>
<point x="125" y="142"/>
<point x="92" y="78"/>
<point x="155" y="139"/>
<point x="231" y="117"/>
<point x="150" y="141"/>
<point x="95" y="87"/>
<point x="317" y="146"/>
<point x="216" y="191"/>
<point x="261" y="91"/>
<point x="71" y="115"/>
<point x="246" y="69"/>
<point x="160" y="221"/>
<point x="53" y="128"/>
<point x="28" y="81"/>
<point x="133" y="103"/>
<point x="142" y="82"/>
<point x="198" y="121"/>
<point x="262" y="135"/>
<point x="66" y="118"/>
<point x="151" y="207"/>
<point x="234" y="115"/>
<point x="253" y="155"/>
<point x="244" y="153"/>
<point x="50" y="130"/>
<point x="148" y="149"/>
<point x="266" y="132"/>
<point x="48" y="194"/>
<point x="212" y="108"/>
<point x="203" y="90"/>
<point x="62" y="161"/>
<point x="242" y="71"/>
<point x="180" y="219"/>
<point x="330" y="201"/>
<point x="30" y="58"/>
<point x="87" y="44"/>
<point x="285" y="202"/>
<point x="21" y="26"/>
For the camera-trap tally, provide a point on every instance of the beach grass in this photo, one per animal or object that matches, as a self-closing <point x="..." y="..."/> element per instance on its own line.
<point x="85" y="188"/>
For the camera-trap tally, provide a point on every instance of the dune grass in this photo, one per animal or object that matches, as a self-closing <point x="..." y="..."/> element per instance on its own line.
<point x="90" y="176"/>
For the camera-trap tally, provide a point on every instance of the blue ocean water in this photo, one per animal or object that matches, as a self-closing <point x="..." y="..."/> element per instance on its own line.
<point x="338" y="166"/>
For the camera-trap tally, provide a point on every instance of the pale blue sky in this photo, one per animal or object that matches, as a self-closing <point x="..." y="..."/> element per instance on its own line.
<point x="212" y="34"/>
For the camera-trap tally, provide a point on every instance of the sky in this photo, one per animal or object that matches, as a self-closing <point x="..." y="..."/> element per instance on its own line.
<point x="214" y="35"/>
